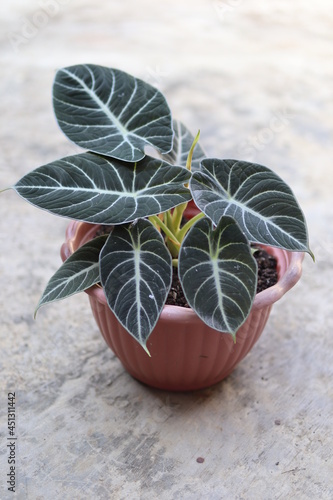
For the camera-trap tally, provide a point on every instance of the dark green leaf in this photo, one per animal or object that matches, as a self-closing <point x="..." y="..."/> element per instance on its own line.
<point x="110" y="112"/>
<point x="79" y="272"/>
<point x="261" y="202"/>
<point x="136" y="276"/>
<point x="218" y="273"/>
<point x="99" y="190"/>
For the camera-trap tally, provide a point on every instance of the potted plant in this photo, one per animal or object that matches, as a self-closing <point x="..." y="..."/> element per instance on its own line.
<point x="133" y="232"/>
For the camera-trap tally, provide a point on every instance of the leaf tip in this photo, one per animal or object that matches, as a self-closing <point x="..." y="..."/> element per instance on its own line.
<point x="312" y="255"/>
<point x="146" y="349"/>
<point x="39" y="305"/>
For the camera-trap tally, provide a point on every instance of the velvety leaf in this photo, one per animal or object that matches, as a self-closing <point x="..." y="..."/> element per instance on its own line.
<point x="218" y="273"/>
<point x="79" y="272"/>
<point x="136" y="275"/>
<point x="96" y="189"/>
<point x="261" y="202"/>
<point x="182" y="142"/>
<point x="110" y="112"/>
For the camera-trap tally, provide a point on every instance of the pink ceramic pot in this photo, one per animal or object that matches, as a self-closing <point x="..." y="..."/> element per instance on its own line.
<point x="185" y="353"/>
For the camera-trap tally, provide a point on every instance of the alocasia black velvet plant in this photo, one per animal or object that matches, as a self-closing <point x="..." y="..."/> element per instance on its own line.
<point x="116" y="116"/>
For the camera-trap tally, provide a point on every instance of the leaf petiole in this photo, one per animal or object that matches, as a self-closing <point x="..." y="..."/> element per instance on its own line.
<point x="178" y="212"/>
<point x="157" y="221"/>
<point x="187" y="226"/>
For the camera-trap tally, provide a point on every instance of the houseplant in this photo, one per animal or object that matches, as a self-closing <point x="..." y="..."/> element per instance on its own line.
<point x="142" y="200"/>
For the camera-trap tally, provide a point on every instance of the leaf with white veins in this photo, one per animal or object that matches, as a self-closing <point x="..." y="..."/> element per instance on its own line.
<point x="136" y="273"/>
<point x="100" y="190"/>
<point x="260" y="201"/>
<point x="79" y="272"/>
<point x="218" y="273"/>
<point x="111" y="112"/>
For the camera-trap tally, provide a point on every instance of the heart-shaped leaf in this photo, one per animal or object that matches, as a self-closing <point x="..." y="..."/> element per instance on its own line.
<point x="96" y="189"/>
<point x="136" y="273"/>
<point x="182" y="142"/>
<point x="79" y="272"/>
<point x="260" y="201"/>
<point x="218" y="273"/>
<point x="110" y="112"/>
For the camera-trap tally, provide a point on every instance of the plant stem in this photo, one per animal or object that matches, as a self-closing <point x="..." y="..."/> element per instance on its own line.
<point x="155" y="219"/>
<point x="178" y="212"/>
<point x="181" y="233"/>
<point x="170" y="223"/>
<point x="168" y="220"/>
<point x="177" y="216"/>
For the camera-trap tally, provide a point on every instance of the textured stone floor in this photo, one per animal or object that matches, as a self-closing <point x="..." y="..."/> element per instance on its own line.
<point x="257" y="79"/>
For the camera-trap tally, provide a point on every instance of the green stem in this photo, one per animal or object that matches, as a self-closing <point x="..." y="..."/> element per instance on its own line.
<point x="168" y="220"/>
<point x="173" y="248"/>
<point x="177" y="216"/>
<point x="165" y="229"/>
<point x="178" y="212"/>
<point x="190" y="154"/>
<point x="181" y="233"/>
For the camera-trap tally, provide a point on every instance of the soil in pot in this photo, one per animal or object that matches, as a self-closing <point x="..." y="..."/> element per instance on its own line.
<point x="267" y="277"/>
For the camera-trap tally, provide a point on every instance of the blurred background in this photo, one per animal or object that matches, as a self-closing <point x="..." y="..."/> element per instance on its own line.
<point x="257" y="79"/>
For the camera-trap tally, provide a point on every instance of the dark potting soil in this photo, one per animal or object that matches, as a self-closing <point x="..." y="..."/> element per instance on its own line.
<point x="267" y="270"/>
<point x="267" y="277"/>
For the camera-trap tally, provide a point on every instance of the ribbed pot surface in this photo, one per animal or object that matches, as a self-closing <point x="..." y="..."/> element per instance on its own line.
<point x="185" y="353"/>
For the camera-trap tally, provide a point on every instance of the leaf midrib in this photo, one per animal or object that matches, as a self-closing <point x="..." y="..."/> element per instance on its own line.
<point x="142" y="193"/>
<point x="68" y="281"/>
<point x="113" y="119"/>
<point x="265" y="220"/>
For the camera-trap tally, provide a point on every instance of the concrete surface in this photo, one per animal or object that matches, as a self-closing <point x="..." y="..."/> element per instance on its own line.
<point x="256" y="78"/>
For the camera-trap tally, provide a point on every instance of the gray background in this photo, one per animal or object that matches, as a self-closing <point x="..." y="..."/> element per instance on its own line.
<point x="256" y="78"/>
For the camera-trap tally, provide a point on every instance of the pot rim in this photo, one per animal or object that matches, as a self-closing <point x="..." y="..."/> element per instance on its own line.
<point x="292" y="260"/>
